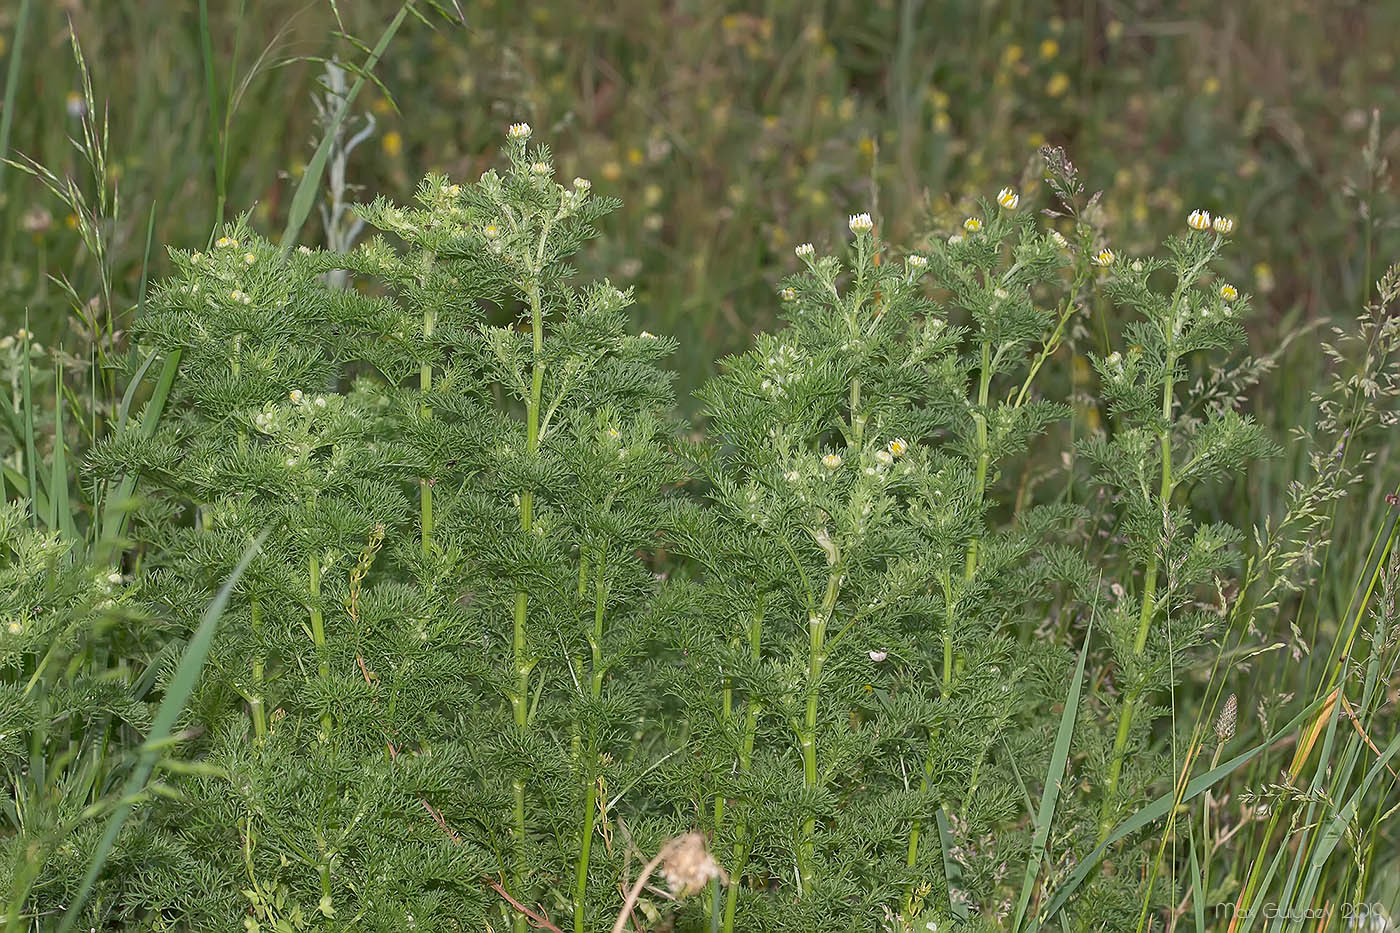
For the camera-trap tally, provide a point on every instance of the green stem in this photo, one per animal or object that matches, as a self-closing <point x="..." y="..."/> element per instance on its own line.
<point x="1053" y="344"/>
<point x="727" y="714"/>
<point x="816" y="658"/>
<point x="590" y="795"/>
<point x="984" y="386"/>
<point x="520" y="696"/>
<point x="318" y="631"/>
<point x="984" y="458"/>
<point x="912" y="856"/>
<point x="857" y="419"/>
<point x="1149" y="598"/>
<point x="753" y="708"/>
<point x="425" y="385"/>
<point x="258" y="705"/>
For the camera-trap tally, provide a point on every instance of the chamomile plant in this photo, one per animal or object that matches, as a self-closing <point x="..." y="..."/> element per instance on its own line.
<point x="508" y="638"/>
<point x="423" y="683"/>
<point x="869" y="661"/>
<point x="1176" y="426"/>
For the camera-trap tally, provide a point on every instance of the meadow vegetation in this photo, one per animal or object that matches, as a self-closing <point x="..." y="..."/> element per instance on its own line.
<point x="900" y="467"/>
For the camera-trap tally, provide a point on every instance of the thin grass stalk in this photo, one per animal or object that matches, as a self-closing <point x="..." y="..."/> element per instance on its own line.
<point x="1363" y="590"/>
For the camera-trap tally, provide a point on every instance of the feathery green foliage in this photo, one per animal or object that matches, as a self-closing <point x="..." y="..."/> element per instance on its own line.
<point x="496" y="626"/>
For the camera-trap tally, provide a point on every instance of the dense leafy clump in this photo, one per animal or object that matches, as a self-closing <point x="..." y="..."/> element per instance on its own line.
<point x="498" y="637"/>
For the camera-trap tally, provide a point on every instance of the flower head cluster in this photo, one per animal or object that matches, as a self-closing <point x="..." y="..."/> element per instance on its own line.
<point x="784" y="366"/>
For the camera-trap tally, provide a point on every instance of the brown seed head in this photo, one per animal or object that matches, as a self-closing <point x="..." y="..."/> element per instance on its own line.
<point x="1225" y="724"/>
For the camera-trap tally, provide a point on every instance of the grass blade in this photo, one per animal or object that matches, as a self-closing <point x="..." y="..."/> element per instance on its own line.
<point x="114" y="514"/>
<point x="1365" y="587"/>
<point x="1198" y="894"/>
<point x="952" y="873"/>
<point x="1050" y="796"/>
<point x="1337" y="826"/>
<point x="11" y="84"/>
<point x="124" y="409"/>
<point x="60" y="517"/>
<point x="211" y="95"/>
<point x="30" y="456"/>
<point x="1162" y="806"/>
<point x="1251" y="916"/>
<point x="186" y="674"/>
<point x="21" y="484"/>
<point x="305" y="195"/>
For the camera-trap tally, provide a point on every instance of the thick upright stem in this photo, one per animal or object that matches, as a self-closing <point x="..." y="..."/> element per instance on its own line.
<point x="816" y="658"/>
<point x="590" y="794"/>
<point x="1149" y="599"/>
<point x="753" y="708"/>
<point x="258" y="704"/>
<point x="857" y="420"/>
<point x="984" y="385"/>
<point x="425" y="385"/>
<point x="318" y="630"/>
<point x="520" y="696"/>
<point x="984" y="457"/>
<point x="912" y="856"/>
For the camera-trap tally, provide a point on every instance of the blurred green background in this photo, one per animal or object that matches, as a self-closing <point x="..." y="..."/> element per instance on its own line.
<point x="732" y="132"/>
